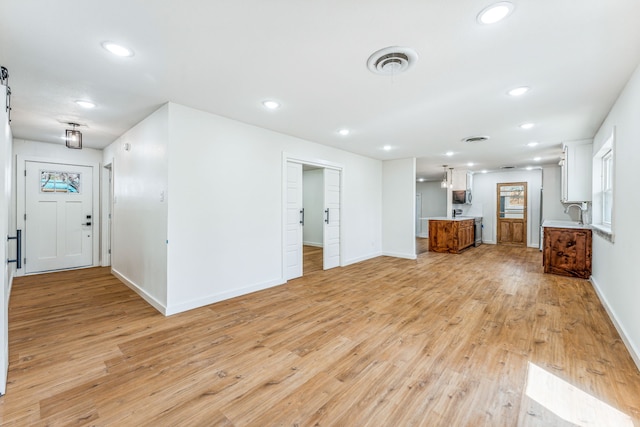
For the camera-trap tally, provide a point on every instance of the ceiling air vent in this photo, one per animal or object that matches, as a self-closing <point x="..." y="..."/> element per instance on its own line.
<point x="392" y="61"/>
<point x="475" y="139"/>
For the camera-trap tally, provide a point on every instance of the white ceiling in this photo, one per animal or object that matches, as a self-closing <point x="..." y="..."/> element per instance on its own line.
<point x="226" y="56"/>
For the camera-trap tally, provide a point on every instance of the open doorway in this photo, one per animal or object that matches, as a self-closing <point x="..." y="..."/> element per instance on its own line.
<point x="312" y="217"/>
<point x="312" y="227"/>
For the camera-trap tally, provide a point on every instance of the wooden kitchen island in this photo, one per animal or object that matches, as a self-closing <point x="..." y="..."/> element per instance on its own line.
<point x="451" y="235"/>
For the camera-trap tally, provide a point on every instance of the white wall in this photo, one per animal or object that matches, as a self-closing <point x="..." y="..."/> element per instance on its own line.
<point x="434" y="203"/>
<point x="313" y="204"/>
<point x="615" y="275"/>
<point x="485" y="200"/>
<point x="226" y="206"/>
<point x="399" y="208"/>
<point x="552" y="208"/>
<point x="139" y="216"/>
<point x="434" y="198"/>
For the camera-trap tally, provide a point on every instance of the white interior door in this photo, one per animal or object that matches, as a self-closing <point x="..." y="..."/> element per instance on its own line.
<point x="59" y="217"/>
<point x="331" y="232"/>
<point x="294" y="236"/>
<point x="6" y="229"/>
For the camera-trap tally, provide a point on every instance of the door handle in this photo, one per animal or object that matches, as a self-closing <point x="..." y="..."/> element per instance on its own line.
<point x="326" y="211"/>
<point x="302" y="216"/>
<point x="87" y="224"/>
<point x="18" y="239"/>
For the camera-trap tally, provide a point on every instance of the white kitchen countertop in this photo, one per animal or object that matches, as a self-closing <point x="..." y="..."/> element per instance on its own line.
<point x="444" y="218"/>
<point x="553" y="223"/>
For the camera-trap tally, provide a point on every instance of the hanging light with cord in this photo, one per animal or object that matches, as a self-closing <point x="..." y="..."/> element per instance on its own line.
<point x="444" y="182"/>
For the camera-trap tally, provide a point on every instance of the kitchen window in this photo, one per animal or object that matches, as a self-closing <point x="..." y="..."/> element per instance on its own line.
<point x="607" y="187"/>
<point x="603" y="189"/>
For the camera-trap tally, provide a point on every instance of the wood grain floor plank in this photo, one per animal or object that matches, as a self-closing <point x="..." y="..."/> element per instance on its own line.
<point x="438" y="341"/>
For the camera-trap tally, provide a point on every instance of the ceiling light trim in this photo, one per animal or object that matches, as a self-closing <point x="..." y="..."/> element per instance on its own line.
<point x="495" y="13"/>
<point x="518" y="91"/>
<point x="270" y="104"/>
<point x="117" y="49"/>
<point x="85" y="104"/>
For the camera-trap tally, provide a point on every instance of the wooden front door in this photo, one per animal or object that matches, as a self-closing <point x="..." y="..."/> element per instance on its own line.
<point x="512" y="213"/>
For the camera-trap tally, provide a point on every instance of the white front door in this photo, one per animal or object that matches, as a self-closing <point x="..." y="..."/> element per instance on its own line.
<point x="58" y="216"/>
<point x="331" y="218"/>
<point x="293" y="251"/>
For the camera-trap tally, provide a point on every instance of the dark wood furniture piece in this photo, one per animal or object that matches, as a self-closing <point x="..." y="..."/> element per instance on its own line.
<point x="451" y="236"/>
<point x="567" y="251"/>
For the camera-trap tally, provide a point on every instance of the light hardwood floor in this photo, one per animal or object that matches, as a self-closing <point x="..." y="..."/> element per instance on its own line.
<point x="442" y="341"/>
<point x="312" y="259"/>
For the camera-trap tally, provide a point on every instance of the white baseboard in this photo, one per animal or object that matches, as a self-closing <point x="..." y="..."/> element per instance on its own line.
<point x="635" y="353"/>
<point x="360" y="259"/>
<point x="144" y="294"/>
<point x="400" y="255"/>
<point x="221" y="296"/>
<point x="316" y="244"/>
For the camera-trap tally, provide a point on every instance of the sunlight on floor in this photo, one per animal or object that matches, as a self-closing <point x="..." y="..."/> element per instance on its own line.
<point x="569" y="402"/>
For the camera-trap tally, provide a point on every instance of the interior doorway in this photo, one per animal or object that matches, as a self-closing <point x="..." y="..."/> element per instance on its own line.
<point x="312" y="227"/>
<point x="312" y="215"/>
<point x="511" y="211"/>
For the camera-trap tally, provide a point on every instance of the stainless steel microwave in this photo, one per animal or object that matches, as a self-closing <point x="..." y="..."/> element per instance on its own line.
<point x="461" y="197"/>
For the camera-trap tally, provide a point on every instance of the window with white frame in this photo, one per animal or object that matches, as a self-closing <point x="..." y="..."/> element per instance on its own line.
<point x="607" y="187"/>
<point x="604" y="188"/>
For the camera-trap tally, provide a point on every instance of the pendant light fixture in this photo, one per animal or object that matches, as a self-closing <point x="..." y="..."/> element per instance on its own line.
<point x="444" y="182"/>
<point x="73" y="137"/>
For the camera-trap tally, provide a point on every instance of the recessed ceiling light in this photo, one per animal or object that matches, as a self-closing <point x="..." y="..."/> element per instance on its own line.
<point x="470" y="164"/>
<point x="420" y="179"/>
<point x="271" y="105"/>
<point x="529" y="168"/>
<point x="495" y="12"/>
<point x="386" y="148"/>
<point x="532" y="143"/>
<point x="537" y="159"/>
<point x="484" y="171"/>
<point x="527" y="125"/>
<point x="449" y="153"/>
<point x="344" y="132"/>
<point x="117" y="49"/>
<point x="85" y="104"/>
<point x="518" y="91"/>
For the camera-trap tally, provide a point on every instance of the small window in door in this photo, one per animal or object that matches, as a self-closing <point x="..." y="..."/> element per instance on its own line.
<point x="60" y="182"/>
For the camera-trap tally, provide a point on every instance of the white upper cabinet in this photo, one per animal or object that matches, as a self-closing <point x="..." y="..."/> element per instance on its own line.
<point x="576" y="171"/>
<point x="462" y="180"/>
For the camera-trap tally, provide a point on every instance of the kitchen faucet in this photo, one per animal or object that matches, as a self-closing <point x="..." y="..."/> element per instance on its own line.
<point x="566" y="210"/>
